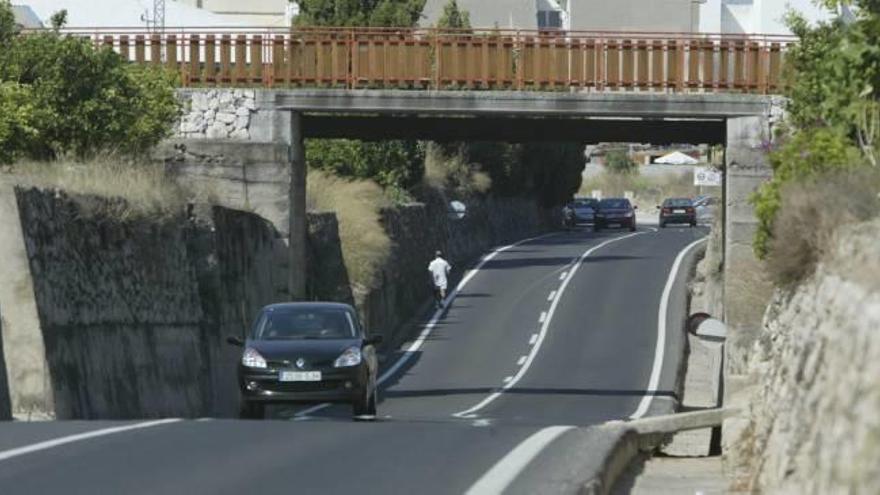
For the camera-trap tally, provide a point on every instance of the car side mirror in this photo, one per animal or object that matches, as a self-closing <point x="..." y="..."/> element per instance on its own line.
<point x="635" y="207"/>
<point x="236" y="341"/>
<point x="658" y="207"/>
<point x="373" y="340"/>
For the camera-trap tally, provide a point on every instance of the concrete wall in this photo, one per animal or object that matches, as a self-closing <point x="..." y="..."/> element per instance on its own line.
<point x="242" y="175"/>
<point x="746" y="288"/>
<point x="813" y="422"/>
<point x="134" y="314"/>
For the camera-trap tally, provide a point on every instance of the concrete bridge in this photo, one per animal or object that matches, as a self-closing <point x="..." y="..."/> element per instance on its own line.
<point x="250" y="143"/>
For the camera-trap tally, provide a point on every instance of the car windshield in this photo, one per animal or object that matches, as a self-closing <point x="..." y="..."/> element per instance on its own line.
<point x="304" y="323"/>
<point x="677" y="202"/>
<point x="583" y="203"/>
<point x="614" y="203"/>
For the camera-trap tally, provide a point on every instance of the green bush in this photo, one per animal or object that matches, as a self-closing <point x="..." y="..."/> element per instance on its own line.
<point x="397" y="13"/>
<point x="393" y="164"/>
<point x="83" y="101"/>
<point x="804" y="155"/>
<point x="17" y="115"/>
<point x="617" y="161"/>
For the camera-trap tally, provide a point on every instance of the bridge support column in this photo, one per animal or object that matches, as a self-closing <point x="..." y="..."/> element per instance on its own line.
<point x="746" y="287"/>
<point x="297" y="199"/>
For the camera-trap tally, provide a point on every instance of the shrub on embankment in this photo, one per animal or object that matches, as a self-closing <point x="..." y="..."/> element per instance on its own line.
<point x="60" y="95"/>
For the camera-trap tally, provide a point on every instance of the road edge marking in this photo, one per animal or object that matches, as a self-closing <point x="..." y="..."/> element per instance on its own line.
<point x="545" y="325"/>
<point x="505" y="471"/>
<point x="57" y="442"/>
<point x="660" y="347"/>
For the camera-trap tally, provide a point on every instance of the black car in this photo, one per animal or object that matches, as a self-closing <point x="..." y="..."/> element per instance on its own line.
<point x="307" y="352"/>
<point x="615" y="212"/>
<point x="677" y="210"/>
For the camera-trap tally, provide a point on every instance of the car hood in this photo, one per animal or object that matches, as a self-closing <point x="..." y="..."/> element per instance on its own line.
<point x="315" y="352"/>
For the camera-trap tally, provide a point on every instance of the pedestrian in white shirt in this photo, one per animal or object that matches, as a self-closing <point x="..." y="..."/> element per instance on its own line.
<point x="439" y="269"/>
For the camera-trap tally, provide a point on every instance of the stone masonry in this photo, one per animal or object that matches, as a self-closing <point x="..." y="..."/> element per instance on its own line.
<point x="217" y="114"/>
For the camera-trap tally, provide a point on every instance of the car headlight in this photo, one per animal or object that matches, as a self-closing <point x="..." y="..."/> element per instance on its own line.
<point x="252" y="359"/>
<point x="628" y="214"/>
<point x="351" y="357"/>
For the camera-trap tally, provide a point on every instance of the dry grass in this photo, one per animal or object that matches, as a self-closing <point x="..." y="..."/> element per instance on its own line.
<point x="812" y="213"/>
<point x="357" y="203"/>
<point x="454" y="173"/>
<point x="145" y="188"/>
<point x="648" y="191"/>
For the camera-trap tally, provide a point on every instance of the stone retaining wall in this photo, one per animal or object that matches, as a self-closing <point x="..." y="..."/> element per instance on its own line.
<point x="814" y="418"/>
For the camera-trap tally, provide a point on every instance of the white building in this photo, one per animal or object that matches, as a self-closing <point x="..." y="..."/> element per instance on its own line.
<point x="247" y="13"/>
<point x="755" y="16"/>
<point x="678" y="16"/>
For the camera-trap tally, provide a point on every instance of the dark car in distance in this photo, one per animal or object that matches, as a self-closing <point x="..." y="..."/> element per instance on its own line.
<point x="307" y="352"/>
<point x="677" y="210"/>
<point x="584" y="209"/>
<point x="615" y="212"/>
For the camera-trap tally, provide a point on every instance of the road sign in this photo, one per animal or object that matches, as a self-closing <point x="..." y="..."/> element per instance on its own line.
<point x="706" y="176"/>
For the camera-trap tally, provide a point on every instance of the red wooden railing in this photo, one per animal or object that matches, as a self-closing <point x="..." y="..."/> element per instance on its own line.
<point x="448" y="59"/>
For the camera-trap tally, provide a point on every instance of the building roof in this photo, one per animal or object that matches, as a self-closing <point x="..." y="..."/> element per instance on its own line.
<point x="677" y="158"/>
<point x="25" y="17"/>
<point x="125" y="13"/>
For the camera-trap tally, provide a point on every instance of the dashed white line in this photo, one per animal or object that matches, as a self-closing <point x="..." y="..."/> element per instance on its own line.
<point x="543" y="317"/>
<point x="507" y="379"/>
<point x="660" y="347"/>
<point x="435" y="318"/>
<point x="505" y="471"/>
<point x="522" y="360"/>
<point x="533" y="339"/>
<point x="56" y="442"/>
<point x="546" y="318"/>
<point x="562" y="275"/>
<point x="551" y="296"/>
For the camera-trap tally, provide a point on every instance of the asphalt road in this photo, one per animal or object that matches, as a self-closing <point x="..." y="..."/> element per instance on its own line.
<point x="566" y="330"/>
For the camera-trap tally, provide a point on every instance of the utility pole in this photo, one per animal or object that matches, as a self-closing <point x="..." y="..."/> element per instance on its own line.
<point x="157" y="19"/>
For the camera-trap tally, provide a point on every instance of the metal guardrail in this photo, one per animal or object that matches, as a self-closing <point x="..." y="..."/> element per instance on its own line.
<point x="384" y="58"/>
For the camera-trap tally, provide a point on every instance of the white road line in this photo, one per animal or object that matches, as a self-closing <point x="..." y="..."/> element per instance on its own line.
<point x="543" y="317"/>
<point x="435" y="318"/>
<point x="533" y="339"/>
<point x="56" y="442"/>
<point x="660" y="348"/>
<point x="539" y="337"/>
<point x="505" y="471"/>
<point x="507" y="379"/>
<point x="522" y="360"/>
<point x="562" y="275"/>
<point x="551" y="296"/>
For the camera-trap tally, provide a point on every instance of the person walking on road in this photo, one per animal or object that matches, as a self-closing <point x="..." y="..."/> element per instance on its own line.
<point x="439" y="269"/>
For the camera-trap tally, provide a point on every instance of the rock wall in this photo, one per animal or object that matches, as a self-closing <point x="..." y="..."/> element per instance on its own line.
<point x="134" y="314"/>
<point x="814" y="419"/>
<point x="216" y="113"/>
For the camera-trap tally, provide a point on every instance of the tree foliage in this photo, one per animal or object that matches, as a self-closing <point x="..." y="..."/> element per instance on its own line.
<point x="393" y="163"/>
<point x="832" y="80"/>
<point x="453" y="17"/>
<point x="346" y="13"/>
<point x="617" y="161"/>
<point x="69" y="97"/>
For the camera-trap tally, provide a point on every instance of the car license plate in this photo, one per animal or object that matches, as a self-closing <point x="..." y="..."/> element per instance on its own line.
<point x="677" y="211"/>
<point x="299" y="376"/>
